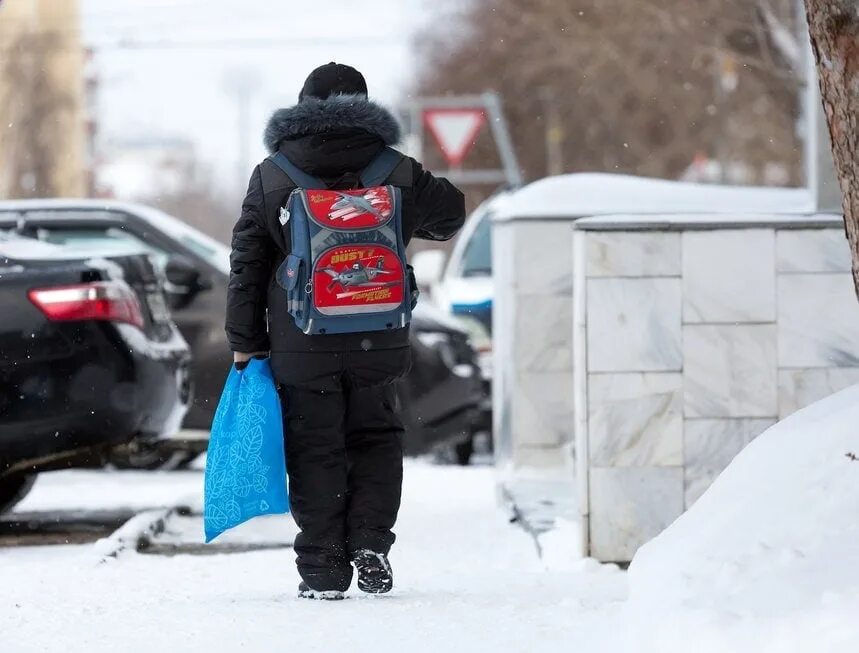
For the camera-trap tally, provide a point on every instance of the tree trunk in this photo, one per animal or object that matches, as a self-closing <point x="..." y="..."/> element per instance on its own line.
<point x="834" y="27"/>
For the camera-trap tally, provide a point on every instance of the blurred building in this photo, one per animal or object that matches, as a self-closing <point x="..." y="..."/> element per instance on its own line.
<point x="165" y="172"/>
<point x="43" y="130"/>
<point x="145" y="168"/>
<point x="706" y="170"/>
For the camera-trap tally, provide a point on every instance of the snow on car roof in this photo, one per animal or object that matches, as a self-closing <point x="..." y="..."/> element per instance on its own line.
<point x="68" y="204"/>
<point x="217" y="253"/>
<point x="587" y="194"/>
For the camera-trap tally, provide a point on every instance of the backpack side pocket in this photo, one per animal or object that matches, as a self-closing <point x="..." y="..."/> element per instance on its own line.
<point x="414" y="290"/>
<point x="291" y="276"/>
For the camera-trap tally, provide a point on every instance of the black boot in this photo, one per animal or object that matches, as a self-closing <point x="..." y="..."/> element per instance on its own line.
<point x="374" y="571"/>
<point x="304" y="592"/>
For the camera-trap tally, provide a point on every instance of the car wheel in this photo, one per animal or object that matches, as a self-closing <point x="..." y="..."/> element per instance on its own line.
<point x="463" y="451"/>
<point x="151" y="456"/>
<point x="185" y="459"/>
<point x="142" y="455"/>
<point x="13" y="489"/>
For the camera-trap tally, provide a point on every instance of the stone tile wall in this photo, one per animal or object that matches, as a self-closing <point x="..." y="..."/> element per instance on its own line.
<point x="696" y="342"/>
<point x="532" y="349"/>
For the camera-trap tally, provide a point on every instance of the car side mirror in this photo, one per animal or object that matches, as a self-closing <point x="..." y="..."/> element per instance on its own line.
<point x="184" y="281"/>
<point x="429" y="266"/>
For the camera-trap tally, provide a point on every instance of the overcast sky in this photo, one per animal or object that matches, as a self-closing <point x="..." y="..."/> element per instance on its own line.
<point x="167" y="67"/>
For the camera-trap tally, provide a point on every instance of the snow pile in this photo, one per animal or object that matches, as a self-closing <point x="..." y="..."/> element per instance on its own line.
<point x="768" y="559"/>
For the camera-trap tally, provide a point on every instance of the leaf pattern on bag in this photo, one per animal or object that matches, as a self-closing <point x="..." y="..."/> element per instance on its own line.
<point x="245" y="470"/>
<point x="242" y="488"/>
<point x="252" y="442"/>
<point x="216" y="516"/>
<point x="260" y="482"/>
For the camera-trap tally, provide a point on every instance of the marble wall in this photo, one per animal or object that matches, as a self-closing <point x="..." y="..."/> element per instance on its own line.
<point x="532" y="349"/>
<point x="650" y="354"/>
<point x="696" y="341"/>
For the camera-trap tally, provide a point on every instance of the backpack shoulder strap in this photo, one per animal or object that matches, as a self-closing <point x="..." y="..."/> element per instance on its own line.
<point x="383" y="166"/>
<point x="298" y="177"/>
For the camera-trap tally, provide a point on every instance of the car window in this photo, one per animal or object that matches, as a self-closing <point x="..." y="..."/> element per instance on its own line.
<point x="477" y="257"/>
<point x="217" y="254"/>
<point x="107" y="240"/>
<point x="199" y="247"/>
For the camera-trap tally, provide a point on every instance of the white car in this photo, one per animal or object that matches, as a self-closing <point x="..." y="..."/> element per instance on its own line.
<point x="463" y="286"/>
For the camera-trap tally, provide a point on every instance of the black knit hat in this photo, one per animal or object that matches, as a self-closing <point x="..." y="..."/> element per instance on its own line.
<point x="333" y="79"/>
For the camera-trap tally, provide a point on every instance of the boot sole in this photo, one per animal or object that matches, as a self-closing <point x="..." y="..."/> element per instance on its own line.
<point x="379" y="581"/>
<point x="374" y="587"/>
<point x="329" y="595"/>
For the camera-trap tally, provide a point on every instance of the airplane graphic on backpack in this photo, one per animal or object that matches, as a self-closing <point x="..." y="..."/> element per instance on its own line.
<point x="347" y="270"/>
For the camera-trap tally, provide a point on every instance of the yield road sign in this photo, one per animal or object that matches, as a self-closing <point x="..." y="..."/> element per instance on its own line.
<point x="455" y="130"/>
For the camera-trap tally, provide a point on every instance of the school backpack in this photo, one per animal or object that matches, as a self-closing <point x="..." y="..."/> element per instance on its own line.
<point x="347" y="269"/>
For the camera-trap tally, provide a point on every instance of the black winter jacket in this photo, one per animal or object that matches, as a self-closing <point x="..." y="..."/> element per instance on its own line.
<point x="332" y="139"/>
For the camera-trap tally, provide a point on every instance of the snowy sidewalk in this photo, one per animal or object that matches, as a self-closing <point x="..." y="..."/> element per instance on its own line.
<point x="466" y="580"/>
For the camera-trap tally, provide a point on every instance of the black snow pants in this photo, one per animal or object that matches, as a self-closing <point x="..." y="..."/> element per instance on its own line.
<point x="344" y="458"/>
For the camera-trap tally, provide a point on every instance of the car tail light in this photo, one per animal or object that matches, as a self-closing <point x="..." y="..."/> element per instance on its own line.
<point x="111" y="301"/>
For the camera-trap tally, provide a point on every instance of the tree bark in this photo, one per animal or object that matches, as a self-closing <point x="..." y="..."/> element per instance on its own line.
<point x="834" y="27"/>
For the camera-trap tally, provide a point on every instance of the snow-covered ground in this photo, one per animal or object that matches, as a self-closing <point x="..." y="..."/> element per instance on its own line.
<point x="466" y="580"/>
<point x="767" y="561"/>
<point x="78" y="489"/>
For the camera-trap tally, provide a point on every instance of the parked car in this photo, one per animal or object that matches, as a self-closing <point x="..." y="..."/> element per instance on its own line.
<point x="197" y="268"/>
<point x="462" y="286"/>
<point x="90" y="361"/>
<point x="437" y="393"/>
<point x="446" y="404"/>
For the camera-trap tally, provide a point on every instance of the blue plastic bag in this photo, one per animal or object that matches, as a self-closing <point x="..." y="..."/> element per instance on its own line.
<point x="245" y="465"/>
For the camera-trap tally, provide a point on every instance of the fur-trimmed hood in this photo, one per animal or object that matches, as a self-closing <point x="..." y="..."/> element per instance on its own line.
<point x="338" y="112"/>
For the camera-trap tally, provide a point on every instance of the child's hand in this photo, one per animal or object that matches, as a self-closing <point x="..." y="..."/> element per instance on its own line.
<point x="241" y="359"/>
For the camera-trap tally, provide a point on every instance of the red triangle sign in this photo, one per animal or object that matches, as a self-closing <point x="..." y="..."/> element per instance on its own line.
<point x="455" y="130"/>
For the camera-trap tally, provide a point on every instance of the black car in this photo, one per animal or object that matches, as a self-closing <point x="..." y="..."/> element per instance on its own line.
<point x="197" y="268"/>
<point x="444" y="398"/>
<point x="89" y="359"/>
